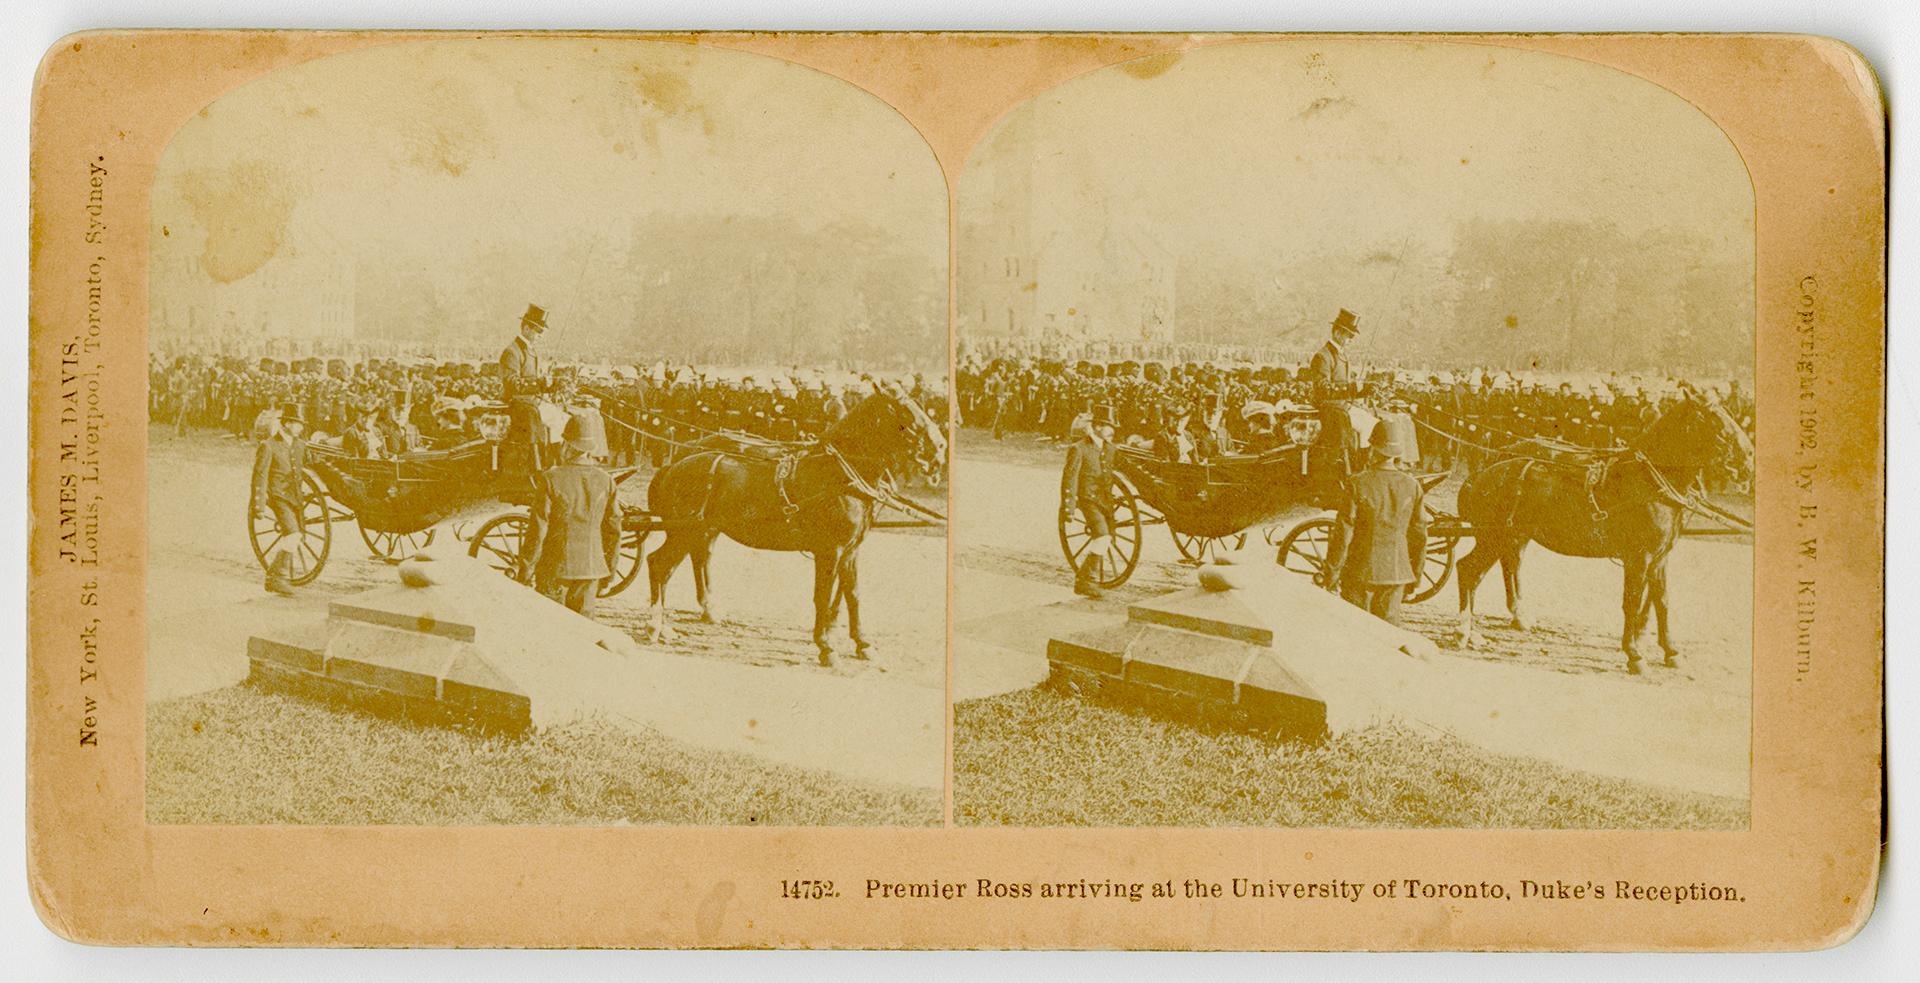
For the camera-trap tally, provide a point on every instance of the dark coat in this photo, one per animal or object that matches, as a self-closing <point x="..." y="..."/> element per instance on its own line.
<point x="277" y="465"/>
<point x="1088" y="474"/>
<point x="576" y="524"/>
<point x="1385" y="528"/>
<point x="519" y="370"/>
<point x="1330" y="372"/>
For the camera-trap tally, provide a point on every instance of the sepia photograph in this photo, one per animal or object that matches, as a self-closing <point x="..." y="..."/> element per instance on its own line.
<point x="956" y="490"/>
<point x="523" y="416"/>
<point x="1277" y="363"/>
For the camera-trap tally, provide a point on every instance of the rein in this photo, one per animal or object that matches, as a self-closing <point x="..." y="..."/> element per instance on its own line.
<point x="1594" y="473"/>
<point x="882" y="493"/>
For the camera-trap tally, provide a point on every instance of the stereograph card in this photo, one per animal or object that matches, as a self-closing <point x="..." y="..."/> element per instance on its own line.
<point x="956" y="490"/>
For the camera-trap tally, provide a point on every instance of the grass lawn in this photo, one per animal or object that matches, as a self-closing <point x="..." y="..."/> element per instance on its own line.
<point x="242" y="755"/>
<point x="1041" y="758"/>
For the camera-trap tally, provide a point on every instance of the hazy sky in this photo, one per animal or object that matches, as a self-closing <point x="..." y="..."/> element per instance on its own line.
<point x="1288" y="148"/>
<point x="421" y="156"/>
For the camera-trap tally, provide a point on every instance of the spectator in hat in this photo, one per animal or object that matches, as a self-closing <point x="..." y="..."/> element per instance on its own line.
<point x="575" y="525"/>
<point x="278" y="463"/>
<point x="1381" y="533"/>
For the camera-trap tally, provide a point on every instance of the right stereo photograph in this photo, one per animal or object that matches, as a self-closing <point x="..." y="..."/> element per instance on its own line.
<point x="1354" y="434"/>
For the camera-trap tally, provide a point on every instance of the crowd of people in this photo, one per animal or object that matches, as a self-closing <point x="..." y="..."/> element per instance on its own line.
<point x="381" y="407"/>
<point x="538" y="412"/>
<point x="1197" y="410"/>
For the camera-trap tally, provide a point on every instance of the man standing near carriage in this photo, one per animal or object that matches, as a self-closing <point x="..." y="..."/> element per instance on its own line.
<point x="1084" y="487"/>
<point x="278" y="464"/>
<point x="1330" y="370"/>
<point x="1382" y="530"/>
<point x="523" y="382"/>
<point x="1331" y="376"/>
<point x="575" y="527"/>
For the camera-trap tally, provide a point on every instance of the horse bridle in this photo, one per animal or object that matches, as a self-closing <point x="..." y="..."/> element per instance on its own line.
<point x="926" y="453"/>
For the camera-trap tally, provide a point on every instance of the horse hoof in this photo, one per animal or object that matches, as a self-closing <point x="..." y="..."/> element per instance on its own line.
<point x="1521" y="624"/>
<point x="1672" y="661"/>
<point x="707" y="618"/>
<point x="863" y="653"/>
<point x="1633" y="668"/>
<point x="826" y="659"/>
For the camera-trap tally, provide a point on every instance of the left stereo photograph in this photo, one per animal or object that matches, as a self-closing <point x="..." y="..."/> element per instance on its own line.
<point x="522" y="415"/>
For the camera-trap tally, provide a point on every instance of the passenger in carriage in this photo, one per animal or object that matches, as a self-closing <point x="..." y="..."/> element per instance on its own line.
<point x="364" y="438"/>
<point x="1262" y="435"/>
<point x="452" y="428"/>
<point x="400" y="436"/>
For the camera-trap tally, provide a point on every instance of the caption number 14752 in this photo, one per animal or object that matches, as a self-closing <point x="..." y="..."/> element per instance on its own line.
<point x="808" y="890"/>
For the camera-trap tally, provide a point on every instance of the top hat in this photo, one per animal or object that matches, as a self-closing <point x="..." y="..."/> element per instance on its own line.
<point x="535" y="318"/>
<point x="1347" y="321"/>
<point x="1103" y="416"/>
<point x="293" y="413"/>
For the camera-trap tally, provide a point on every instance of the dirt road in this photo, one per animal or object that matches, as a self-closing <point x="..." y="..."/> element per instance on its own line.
<point x="205" y="600"/>
<point x="1557" y="691"/>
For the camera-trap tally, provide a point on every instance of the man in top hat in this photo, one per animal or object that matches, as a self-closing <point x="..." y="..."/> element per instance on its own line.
<point x="1330" y="371"/>
<point x="523" y="382"/>
<point x="1331" y="379"/>
<point x="575" y="525"/>
<point x="1381" y="533"/>
<point x="521" y="372"/>
<point x="1084" y="486"/>
<point x="277" y="467"/>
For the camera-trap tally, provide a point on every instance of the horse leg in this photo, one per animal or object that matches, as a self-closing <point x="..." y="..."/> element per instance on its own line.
<point x="1510" y="572"/>
<point x="1473" y="567"/>
<point x="701" y="551"/>
<point x="660" y="566"/>
<point x="1633" y="596"/>
<point x="1657" y="593"/>
<point x="826" y="565"/>
<point x="849" y="588"/>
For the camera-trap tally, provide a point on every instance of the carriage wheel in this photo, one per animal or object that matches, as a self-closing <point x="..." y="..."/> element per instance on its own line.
<point x="1197" y="549"/>
<point x="626" y="563"/>
<point x="1435" y="568"/>
<point x="309" y="545"/>
<point x="498" y="542"/>
<point x="392" y="547"/>
<point x="1304" y="550"/>
<point x="1123" y="548"/>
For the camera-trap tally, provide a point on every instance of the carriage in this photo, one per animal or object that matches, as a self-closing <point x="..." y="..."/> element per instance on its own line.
<point x="1210" y="507"/>
<point x="397" y="503"/>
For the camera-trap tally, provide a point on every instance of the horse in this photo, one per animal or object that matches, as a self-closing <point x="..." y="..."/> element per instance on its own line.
<point x="816" y="500"/>
<point x="1626" y="505"/>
